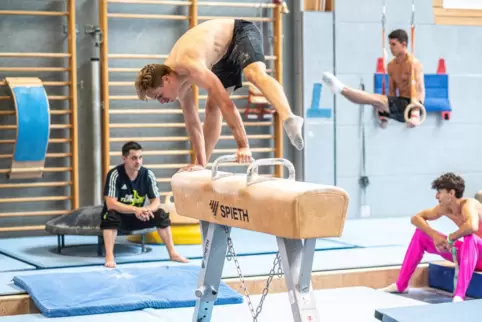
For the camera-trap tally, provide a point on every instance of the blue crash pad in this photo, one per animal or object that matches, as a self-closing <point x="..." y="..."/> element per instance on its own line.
<point x="468" y="311"/>
<point x="441" y="276"/>
<point x="33" y="128"/>
<point x="117" y="290"/>
<point x="436" y="91"/>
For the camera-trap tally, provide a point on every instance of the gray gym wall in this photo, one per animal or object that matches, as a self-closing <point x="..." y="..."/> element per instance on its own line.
<point x="400" y="163"/>
<point x="129" y="36"/>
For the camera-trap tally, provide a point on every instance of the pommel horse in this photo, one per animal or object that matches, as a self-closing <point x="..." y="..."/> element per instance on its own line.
<point x="296" y="213"/>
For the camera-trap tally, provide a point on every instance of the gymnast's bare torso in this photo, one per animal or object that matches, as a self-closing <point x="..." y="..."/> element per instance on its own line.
<point x="206" y="43"/>
<point x="470" y="209"/>
<point x="400" y="71"/>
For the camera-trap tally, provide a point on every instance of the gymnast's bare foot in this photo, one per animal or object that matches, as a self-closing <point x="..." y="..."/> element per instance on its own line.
<point x="110" y="263"/>
<point x="175" y="257"/>
<point x="392" y="288"/>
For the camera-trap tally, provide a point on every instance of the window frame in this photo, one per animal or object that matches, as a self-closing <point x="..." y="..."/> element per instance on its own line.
<point x="458" y="17"/>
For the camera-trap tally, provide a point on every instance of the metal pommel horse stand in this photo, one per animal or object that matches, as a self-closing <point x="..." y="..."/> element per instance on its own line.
<point x="296" y="260"/>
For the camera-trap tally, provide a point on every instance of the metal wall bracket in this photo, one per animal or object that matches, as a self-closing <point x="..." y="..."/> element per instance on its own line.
<point x="94" y="31"/>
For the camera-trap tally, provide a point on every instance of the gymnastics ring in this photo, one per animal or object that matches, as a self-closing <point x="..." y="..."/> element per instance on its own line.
<point x="423" y="112"/>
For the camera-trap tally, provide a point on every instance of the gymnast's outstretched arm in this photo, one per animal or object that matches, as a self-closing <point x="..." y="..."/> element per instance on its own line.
<point x="193" y="125"/>
<point x="213" y="123"/>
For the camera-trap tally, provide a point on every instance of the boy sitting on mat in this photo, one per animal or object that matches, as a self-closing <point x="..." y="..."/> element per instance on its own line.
<point x="125" y="191"/>
<point x="399" y="79"/>
<point x="466" y="213"/>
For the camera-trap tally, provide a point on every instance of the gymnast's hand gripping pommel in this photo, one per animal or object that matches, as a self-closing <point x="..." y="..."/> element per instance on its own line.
<point x="275" y="206"/>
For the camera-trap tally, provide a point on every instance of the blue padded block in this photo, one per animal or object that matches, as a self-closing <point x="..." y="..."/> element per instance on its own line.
<point x="468" y="311"/>
<point x="117" y="290"/>
<point x="436" y="91"/>
<point x="441" y="276"/>
<point x="33" y="123"/>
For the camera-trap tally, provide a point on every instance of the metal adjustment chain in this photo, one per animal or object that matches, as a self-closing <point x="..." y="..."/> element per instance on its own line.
<point x="231" y="254"/>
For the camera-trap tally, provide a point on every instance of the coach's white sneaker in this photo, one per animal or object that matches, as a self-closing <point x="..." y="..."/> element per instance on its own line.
<point x="457" y="299"/>
<point x="332" y="82"/>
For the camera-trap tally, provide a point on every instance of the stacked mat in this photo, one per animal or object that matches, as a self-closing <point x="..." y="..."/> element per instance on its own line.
<point x="441" y="276"/>
<point x="117" y="290"/>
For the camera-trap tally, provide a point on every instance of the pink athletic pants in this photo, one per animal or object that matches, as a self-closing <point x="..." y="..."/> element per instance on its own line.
<point x="469" y="257"/>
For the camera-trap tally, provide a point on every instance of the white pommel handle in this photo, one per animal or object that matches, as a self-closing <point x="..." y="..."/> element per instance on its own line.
<point x="253" y="168"/>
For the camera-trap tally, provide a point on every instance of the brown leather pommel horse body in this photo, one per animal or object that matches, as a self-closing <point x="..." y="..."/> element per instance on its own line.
<point x="296" y="213"/>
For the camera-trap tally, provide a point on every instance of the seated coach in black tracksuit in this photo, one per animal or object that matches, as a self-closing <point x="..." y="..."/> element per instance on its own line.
<point x="125" y="191"/>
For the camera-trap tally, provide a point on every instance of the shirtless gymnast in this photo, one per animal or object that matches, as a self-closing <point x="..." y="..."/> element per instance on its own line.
<point x="399" y="75"/>
<point x="466" y="213"/>
<point x="214" y="55"/>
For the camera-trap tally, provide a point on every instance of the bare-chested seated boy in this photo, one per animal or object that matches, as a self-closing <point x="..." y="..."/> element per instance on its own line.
<point x="399" y="80"/>
<point x="466" y="213"/>
<point x="214" y="55"/>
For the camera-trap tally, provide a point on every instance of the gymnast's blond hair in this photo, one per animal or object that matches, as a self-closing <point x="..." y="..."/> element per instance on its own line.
<point x="150" y="77"/>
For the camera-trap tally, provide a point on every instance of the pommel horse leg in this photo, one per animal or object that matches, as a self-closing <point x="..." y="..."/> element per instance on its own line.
<point x="296" y="213"/>
<point x="297" y="263"/>
<point x="215" y="247"/>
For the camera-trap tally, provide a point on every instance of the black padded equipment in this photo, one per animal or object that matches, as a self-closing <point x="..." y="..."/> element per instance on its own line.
<point x="86" y="221"/>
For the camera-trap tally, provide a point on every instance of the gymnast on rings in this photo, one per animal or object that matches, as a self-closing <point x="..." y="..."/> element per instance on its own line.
<point x="214" y="55"/>
<point x="399" y="79"/>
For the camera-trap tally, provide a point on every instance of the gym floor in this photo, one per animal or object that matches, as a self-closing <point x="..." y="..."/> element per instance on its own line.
<point x="364" y="244"/>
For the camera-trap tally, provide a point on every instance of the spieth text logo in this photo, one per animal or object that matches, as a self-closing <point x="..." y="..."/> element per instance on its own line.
<point x="228" y="212"/>
<point x="213" y="204"/>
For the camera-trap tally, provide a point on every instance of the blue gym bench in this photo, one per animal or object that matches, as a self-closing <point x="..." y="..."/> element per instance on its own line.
<point x="436" y="90"/>
<point x="441" y="276"/>
<point x="33" y="127"/>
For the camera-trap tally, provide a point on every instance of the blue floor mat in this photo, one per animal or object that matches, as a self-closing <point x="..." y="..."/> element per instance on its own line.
<point x="252" y="266"/>
<point x="41" y="251"/>
<point x="427" y="295"/>
<point x="134" y="316"/>
<point x="8" y="264"/>
<point x="443" y="312"/>
<point x="117" y="290"/>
